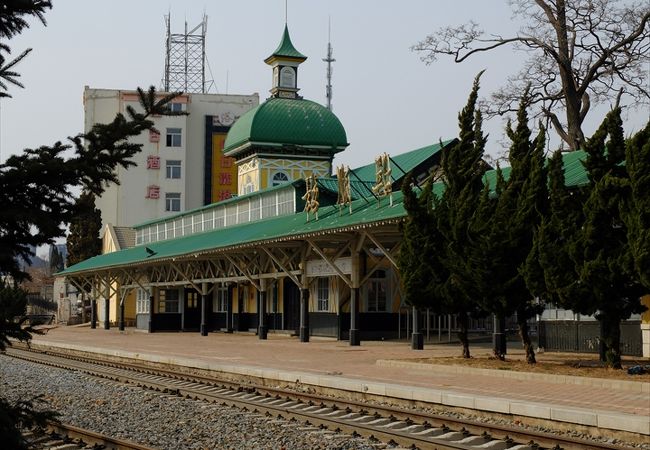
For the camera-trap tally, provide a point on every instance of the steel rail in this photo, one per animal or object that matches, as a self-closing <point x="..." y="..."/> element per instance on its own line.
<point x="365" y="411"/>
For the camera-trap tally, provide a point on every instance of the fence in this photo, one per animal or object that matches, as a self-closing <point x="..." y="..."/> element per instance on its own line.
<point x="584" y="337"/>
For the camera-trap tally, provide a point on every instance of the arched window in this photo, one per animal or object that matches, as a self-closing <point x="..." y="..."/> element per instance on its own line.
<point x="280" y="178"/>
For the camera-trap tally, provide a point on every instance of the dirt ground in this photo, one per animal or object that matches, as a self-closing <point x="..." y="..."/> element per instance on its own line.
<point x="581" y="365"/>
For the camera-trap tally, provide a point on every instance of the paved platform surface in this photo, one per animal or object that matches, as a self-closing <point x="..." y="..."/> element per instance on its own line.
<point x="381" y="368"/>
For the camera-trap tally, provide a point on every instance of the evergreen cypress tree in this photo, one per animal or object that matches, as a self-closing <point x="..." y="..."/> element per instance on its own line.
<point x="463" y="169"/>
<point x="606" y="264"/>
<point x="56" y="263"/>
<point x="83" y="240"/>
<point x="503" y="231"/>
<point x="583" y="245"/>
<point x="636" y="214"/>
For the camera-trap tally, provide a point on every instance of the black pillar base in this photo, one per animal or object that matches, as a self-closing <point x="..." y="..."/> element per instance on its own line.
<point x="93" y="314"/>
<point x="204" y="331"/>
<point x="121" y="327"/>
<point x="228" y="330"/>
<point x="354" y="337"/>
<point x="262" y="332"/>
<point x="417" y="341"/>
<point x="304" y="334"/>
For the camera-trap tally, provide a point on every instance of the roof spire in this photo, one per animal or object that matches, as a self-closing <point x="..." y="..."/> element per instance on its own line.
<point x="329" y="60"/>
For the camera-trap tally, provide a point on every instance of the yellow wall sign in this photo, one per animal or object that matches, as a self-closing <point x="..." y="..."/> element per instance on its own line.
<point x="224" y="170"/>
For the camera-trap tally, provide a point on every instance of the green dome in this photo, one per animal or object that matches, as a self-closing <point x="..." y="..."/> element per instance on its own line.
<point x="280" y="121"/>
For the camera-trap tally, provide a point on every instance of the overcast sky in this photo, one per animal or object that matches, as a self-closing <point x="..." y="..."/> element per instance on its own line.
<point x="386" y="98"/>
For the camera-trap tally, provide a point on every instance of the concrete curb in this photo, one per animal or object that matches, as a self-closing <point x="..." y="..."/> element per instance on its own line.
<point x="602" y="419"/>
<point x="640" y="387"/>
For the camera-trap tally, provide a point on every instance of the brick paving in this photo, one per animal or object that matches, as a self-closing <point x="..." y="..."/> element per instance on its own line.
<point x="329" y="357"/>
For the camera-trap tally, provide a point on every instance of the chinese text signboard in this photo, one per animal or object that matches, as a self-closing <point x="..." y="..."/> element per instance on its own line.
<point x="224" y="170"/>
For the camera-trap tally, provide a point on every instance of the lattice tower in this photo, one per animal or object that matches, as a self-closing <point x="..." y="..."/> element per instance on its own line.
<point x="185" y="59"/>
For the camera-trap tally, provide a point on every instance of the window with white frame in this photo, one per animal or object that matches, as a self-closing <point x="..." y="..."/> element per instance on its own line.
<point x="173" y="168"/>
<point x="242" y="211"/>
<point x="248" y="185"/>
<point x="285" y="201"/>
<point x="142" y="301"/>
<point x="255" y="207"/>
<point x="221" y="298"/>
<point x="323" y="294"/>
<point x="176" y="107"/>
<point x="168" y="300"/>
<point x="208" y="220"/>
<point x="169" y="229"/>
<point x="219" y="217"/>
<point x="197" y="220"/>
<point x="377" y="292"/>
<point x="187" y="225"/>
<point x="280" y="178"/>
<point x="174" y="136"/>
<point x="161" y="232"/>
<point x="173" y="201"/>
<point x="268" y="205"/>
<point x="178" y="227"/>
<point x="231" y="214"/>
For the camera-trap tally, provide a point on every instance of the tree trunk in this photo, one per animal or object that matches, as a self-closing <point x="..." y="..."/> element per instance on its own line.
<point x="525" y="339"/>
<point x="611" y="332"/>
<point x="463" y="323"/>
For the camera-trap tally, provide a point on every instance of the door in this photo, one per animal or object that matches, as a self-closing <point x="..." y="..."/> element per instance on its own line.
<point x="192" y="310"/>
<point x="291" y="306"/>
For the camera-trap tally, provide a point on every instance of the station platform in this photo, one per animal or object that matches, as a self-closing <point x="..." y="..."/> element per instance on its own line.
<point x="383" y="368"/>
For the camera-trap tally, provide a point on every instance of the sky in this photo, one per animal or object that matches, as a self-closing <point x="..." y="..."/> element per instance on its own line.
<point x="387" y="99"/>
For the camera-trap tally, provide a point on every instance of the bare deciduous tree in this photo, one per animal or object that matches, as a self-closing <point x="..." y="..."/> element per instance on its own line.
<point x="581" y="52"/>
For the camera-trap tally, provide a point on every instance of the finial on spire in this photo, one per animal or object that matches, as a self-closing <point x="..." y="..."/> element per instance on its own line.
<point x="286" y="14"/>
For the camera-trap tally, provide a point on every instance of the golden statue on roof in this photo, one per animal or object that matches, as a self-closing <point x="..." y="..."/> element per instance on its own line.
<point x="345" y="195"/>
<point x="311" y="196"/>
<point x="383" y="181"/>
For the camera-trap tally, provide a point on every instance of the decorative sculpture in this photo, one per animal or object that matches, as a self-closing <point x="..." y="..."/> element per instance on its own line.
<point x="345" y="197"/>
<point x="383" y="182"/>
<point x="311" y="196"/>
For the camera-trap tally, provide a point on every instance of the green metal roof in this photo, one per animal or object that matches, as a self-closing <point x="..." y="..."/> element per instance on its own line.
<point x="292" y="227"/>
<point x="286" y="48"/>
<point x="273" y="229"/>
<point x="281" y="121"/>
<point x="407" y="161"/>
<point x="358" y="189"/>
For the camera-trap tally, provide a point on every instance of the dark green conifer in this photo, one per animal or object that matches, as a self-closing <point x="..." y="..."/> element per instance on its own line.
<point x="83" y="240"/>
<point x="463" y="169"/>
<point x="636" y="214"/>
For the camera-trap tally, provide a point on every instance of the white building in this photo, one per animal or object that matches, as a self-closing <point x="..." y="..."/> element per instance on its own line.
<point x="177" y="169"/>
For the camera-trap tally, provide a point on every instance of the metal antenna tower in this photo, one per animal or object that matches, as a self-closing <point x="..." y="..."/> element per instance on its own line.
<point x="185" y="59"/>
<point x="329" y="60"/>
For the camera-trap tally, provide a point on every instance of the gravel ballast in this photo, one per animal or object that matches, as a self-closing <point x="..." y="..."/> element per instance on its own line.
<point x="158" y="420"/>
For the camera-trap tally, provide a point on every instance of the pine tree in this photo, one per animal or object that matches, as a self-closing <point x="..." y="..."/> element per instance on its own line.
<point x="463" y="169"/>
<point x="83" y="240"/>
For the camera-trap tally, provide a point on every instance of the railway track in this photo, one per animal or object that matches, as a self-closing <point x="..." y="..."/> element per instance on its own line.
<point x="394" y="426"/>
<point x="61" y="436"/>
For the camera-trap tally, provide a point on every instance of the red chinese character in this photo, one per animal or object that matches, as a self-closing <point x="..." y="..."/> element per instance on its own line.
<point x="224" y="195"/>
<point x="225" y="179"/>
<point x="226" y="162"/>
<point x="153" y="162"/>
<point x="154" y="136"/>
<point x="153" y="191"/>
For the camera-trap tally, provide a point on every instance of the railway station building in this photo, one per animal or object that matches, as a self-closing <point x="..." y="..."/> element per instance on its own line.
<point x="284" y="254"/>
<point x="297" y="250"/>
